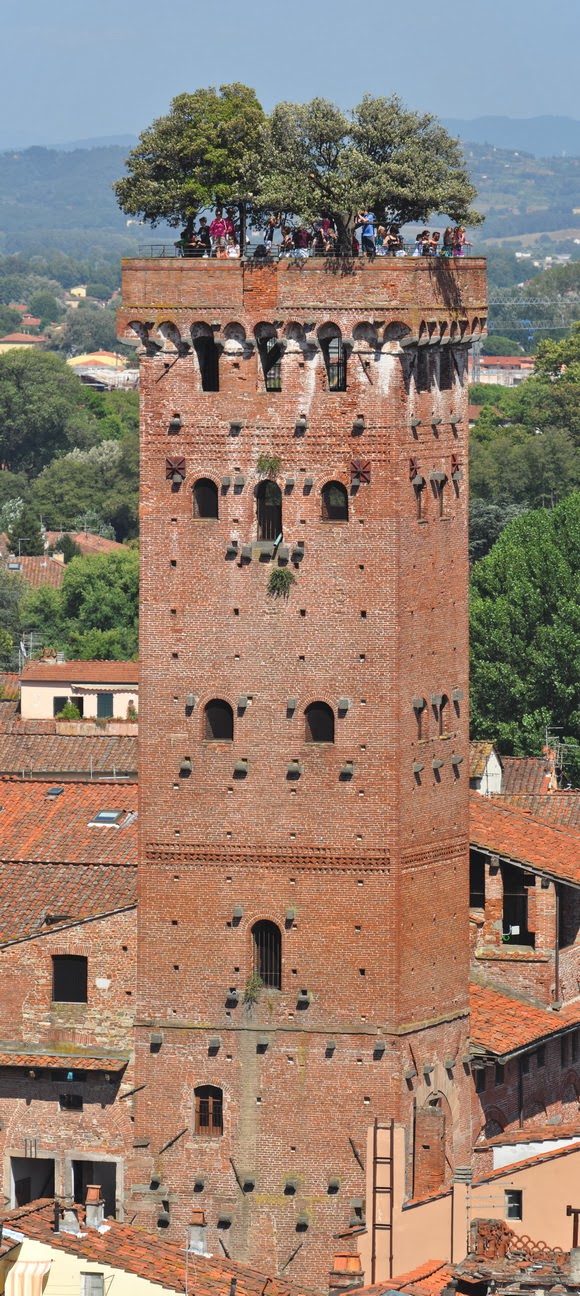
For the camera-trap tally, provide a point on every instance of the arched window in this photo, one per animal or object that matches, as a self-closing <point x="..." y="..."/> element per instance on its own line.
<point x="205" y="498"/>
<point x="334" y="502"/>
<point x="209" y="1111"/>
<point x="268" y="953"/>
<point x="319" y="723"/>
<point x="443" y="714"/>
<point x="219" y="721"/>
<point x="269" y="510"/>
<point x="334" y="354"/>
<point x="207" y="356"/>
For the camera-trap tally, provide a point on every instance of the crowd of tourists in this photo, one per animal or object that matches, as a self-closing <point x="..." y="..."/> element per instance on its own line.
<point x="220" y="238"/>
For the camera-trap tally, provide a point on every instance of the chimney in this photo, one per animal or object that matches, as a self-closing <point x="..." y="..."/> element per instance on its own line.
<point x="94" y="1206"/>
<point x="197" y="1235"/>
<point x="70" y="1221"/>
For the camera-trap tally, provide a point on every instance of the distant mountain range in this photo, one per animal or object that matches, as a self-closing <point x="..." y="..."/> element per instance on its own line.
<point x="542" y="136"/>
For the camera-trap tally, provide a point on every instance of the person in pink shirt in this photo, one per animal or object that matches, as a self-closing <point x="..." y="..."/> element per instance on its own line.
<point x="218" y="231"/>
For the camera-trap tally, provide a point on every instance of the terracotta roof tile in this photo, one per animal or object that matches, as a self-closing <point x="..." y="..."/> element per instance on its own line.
<point x="82" y="1060"/>
<point x="479" y="754"/>
<point x="60" y="755"/>
<point x="525" y="774"/>
<point x="560" y="809"/>
<point x="87" y="543"/>
<point x="514" y="1166"/>
<point x="134" y="1251"/>
<point x="55" y="829"/>
<point x="532" y="1134"/>
<point x="82" y="672"/>
<point x="497" y="827"/>
<point x="502" y="1024"/>
<point x="428" y="1279"/>
<point x="64" y="893"/>
<point x="37" y="571"/>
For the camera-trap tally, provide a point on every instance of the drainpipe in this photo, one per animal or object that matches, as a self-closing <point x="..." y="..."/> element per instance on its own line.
<point x="557" y="947"/>
<point x="520" y="1094"/>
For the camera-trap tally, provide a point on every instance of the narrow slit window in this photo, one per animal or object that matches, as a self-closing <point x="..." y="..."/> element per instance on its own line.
<point x="268" y="953"/>
<point x="209" y="1111"/>
<point x="205" y="498"/>
<point x="443" y="715"/>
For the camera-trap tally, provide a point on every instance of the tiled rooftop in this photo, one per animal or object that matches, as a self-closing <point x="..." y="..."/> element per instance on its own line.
<point x="532" y="1134"/>
<point x="87" y="543"/>
<point x="36" y="571"/>
<point x="82" y="672"/>
<point x="525" y="774"/>
<point x="560" y="809"/>
<point x="81" y="1060"/>
<point x="134" y="1251"/>
<point x="43" y="897"/>
<point x="36" y="826"/>
<point x="502" y="1024"/>
<point x="56" y="754"/>
<point x="498" y="827"/>
<point x="428" y="1279"/>
<point x="479" y="754"/>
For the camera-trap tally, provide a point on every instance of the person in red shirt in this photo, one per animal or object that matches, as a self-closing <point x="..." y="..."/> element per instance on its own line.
<point x="218" y="231"/>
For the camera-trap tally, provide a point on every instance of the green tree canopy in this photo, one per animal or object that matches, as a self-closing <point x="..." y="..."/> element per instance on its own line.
<point x="88" y="328"/>
<point x="207" y="149"/>
<point x="104" y="479"/>
<point x="525" y="631"/>
<point x="44" y="305"/>
<point x="12" y="589"/>
<point x="94" y="614"/>
<point x="402" y="165"/>
<point x="38" y="397"/>
<point x="24" y="533"/>
<point x="496" y="345"/>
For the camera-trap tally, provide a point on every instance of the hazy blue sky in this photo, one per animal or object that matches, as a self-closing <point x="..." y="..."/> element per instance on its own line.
<point x="76" y="68"/>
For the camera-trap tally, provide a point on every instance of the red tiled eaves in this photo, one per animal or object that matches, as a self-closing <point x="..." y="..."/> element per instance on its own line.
<point x="479" y="754"/>
<point x="502" y="1025"/>
<point x="59" y="1061"/>
<point x="526" y="1162"/>
<point x="502" y="830"/>
<point x="532" y="1134"/>
<point x="428" y="1279"/>
<point x="132" y="1250"/>
<point x="63" y="894"/>
<point x="83" y="672"/>
<point x="36" y="827"/>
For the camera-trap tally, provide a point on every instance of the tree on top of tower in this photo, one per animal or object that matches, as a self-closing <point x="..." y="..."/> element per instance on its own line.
<point x="380" y="157"/>
<point x="207" y="149"/>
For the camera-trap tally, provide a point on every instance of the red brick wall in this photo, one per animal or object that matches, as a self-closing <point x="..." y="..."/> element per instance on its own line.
<point x="31" y="1122"/>
<point x="374" y="866"/>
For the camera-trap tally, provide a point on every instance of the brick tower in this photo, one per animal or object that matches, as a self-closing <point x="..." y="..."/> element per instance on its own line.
<point x="303" y="945"/>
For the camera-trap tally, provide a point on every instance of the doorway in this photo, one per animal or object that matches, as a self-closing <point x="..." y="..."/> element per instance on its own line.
<point x="32" y="1177"/>
<point x="103" y="1173"/>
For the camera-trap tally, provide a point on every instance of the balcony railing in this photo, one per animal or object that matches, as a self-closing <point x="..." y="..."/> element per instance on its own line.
<point x="277" y="253"/>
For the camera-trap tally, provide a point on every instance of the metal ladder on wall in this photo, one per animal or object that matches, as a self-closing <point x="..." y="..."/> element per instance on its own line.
<point x="383" y="1170"/>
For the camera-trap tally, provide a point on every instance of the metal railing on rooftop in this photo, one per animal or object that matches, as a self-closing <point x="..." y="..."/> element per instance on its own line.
<point x="253" y="252"/>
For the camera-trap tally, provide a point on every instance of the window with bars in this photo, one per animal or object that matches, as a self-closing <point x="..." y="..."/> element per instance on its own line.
<point x="209" y="1111"/>
<point x="334" y="502"/>
<point x="92" y="1284"/>
<point x="267" y="941"/>
<point x="269" y="510"/>
<point x="270" y="350"/>
<point x="334" y="361"/>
